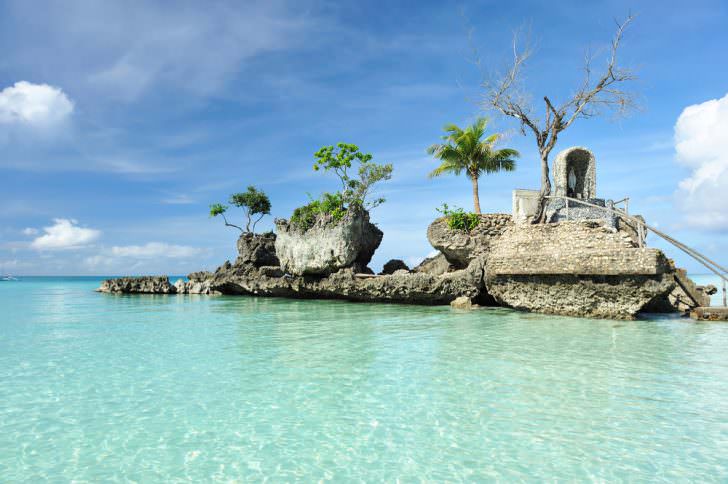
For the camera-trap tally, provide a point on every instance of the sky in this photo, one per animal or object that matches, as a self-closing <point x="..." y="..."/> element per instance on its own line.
<point x="121" y="122"/>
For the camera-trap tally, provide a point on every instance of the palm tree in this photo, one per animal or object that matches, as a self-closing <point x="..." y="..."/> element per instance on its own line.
<point x="465" y="151"/>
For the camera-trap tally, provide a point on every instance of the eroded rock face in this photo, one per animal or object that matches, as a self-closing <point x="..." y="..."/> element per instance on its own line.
<point x="401" y="287"/>
<point x="576" y="268"/>
<point x="462" y="302"/>
<point x="612" y="297"/>
<point x="436" y="265"/>
<point x="138" y="285"/>
<point x="328" y="246"/>
<point x="198" y="283"/>
<point x="258" y="249"/>
<point x="460" y="247"/>
<point x="393" y="265"/>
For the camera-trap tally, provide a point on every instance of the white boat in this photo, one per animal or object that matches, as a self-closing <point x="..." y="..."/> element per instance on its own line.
<point x="8" y="278"/>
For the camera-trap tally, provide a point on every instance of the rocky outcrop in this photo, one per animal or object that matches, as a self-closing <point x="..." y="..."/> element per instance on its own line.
<point x="327" y="246"/>
<point x="612" y="297"/>
<point x="460" y="247"/>
<point x="393" y="265"/>
<point x="401" y="287"/>
<point x="684" y="297"/>
<point x="258" y="249"/>
<point x="576" y="268"/>
<point x="436" y="265"/>
<point x="462" y="302"/>
<point x="138" y="285"/>
<point x="197" y="283"/>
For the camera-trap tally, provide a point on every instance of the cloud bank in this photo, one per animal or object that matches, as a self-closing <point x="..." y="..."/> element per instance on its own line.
<point x="701" y="144"/>
<point x="65" y="234"/>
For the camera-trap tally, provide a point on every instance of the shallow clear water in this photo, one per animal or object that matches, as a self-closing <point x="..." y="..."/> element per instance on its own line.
<point x="100" y="387"/>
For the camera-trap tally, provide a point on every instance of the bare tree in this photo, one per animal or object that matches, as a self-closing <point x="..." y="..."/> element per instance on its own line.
<point x="594" y="95"/>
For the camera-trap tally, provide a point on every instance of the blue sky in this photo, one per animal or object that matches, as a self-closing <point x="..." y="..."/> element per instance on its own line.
<point x="120" y="122"/>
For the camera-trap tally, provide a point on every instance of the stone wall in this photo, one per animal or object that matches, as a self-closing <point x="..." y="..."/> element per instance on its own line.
<point x="572" y="248"/>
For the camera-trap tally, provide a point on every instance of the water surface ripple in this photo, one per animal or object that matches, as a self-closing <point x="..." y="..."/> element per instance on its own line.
<point x="191" y="388"/>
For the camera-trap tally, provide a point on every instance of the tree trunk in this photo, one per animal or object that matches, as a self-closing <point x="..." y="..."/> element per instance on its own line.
<point x="545" y="180"/>
<point x="545" y="189"/>
<point x="476" y="196"/>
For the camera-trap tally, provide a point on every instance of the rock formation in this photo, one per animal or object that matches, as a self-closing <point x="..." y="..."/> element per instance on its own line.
<point x="579" y="268"/>
<point x="576" y="268"/>
<point x="435" y="265"/>
<point x="141" y="284"/>
<point x="460" y="247"/>
<point x="327" y="246"/>
<point x="258" y="249"/>
<point x="393" y="265"/>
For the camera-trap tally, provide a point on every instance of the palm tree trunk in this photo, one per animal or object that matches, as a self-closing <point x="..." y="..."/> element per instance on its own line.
<point x="476" y="196"/>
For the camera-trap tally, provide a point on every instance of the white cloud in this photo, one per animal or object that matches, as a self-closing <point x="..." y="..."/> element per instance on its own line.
<point x="154" y="250"/>
<point x="701" y="143"/>
<point x="30" y="231"/>
<point x="178" y="200"/>
<point x="34" y="104"/>
<point x="65" y="234"/>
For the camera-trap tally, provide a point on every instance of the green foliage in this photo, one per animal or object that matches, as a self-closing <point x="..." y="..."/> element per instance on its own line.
<point x="217" y="209"/>
<point x="253" y="202"/>
<point x="464" y="150"/>
<point x="459" y="219"/>
<point x="355" y="189"/>
<point x="328" y="204"/>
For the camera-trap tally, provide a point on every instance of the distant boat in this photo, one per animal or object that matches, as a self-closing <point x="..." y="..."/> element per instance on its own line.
<point x="8" y="278"/>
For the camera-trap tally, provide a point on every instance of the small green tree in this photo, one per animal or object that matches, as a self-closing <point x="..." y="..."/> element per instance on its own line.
<point x="253" y="202"/>
<point x="354" y="191"/>
<point x="464" y="150"/>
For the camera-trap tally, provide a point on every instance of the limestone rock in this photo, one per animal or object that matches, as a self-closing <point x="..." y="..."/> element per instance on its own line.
<point x="258" y="249"/>
<point x="328" y="246"/>
<point x="435" y="265"/>
<point x="138" y="285"/>
<point x="394" y="265"/>
<point x="461" y="247"/>
<point x="577" y="269"/>
<point x="462" y="302"/>
<point x="401" y="287"/>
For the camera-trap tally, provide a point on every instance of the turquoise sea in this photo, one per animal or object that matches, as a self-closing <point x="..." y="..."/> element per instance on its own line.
<point x="99" y="388"/>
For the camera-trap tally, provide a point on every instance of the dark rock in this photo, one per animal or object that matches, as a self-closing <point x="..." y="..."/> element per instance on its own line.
<point x="138" y="285"/>
<point x="401" y="287"/>
<point x="436" y="265"/>
<point x="257" y="249"/>
<point x="394" y="265"/>
<point x="199" y="276"/>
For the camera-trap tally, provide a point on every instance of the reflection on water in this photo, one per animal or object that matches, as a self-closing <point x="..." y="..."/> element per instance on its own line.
<point x="99" y="387"/>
